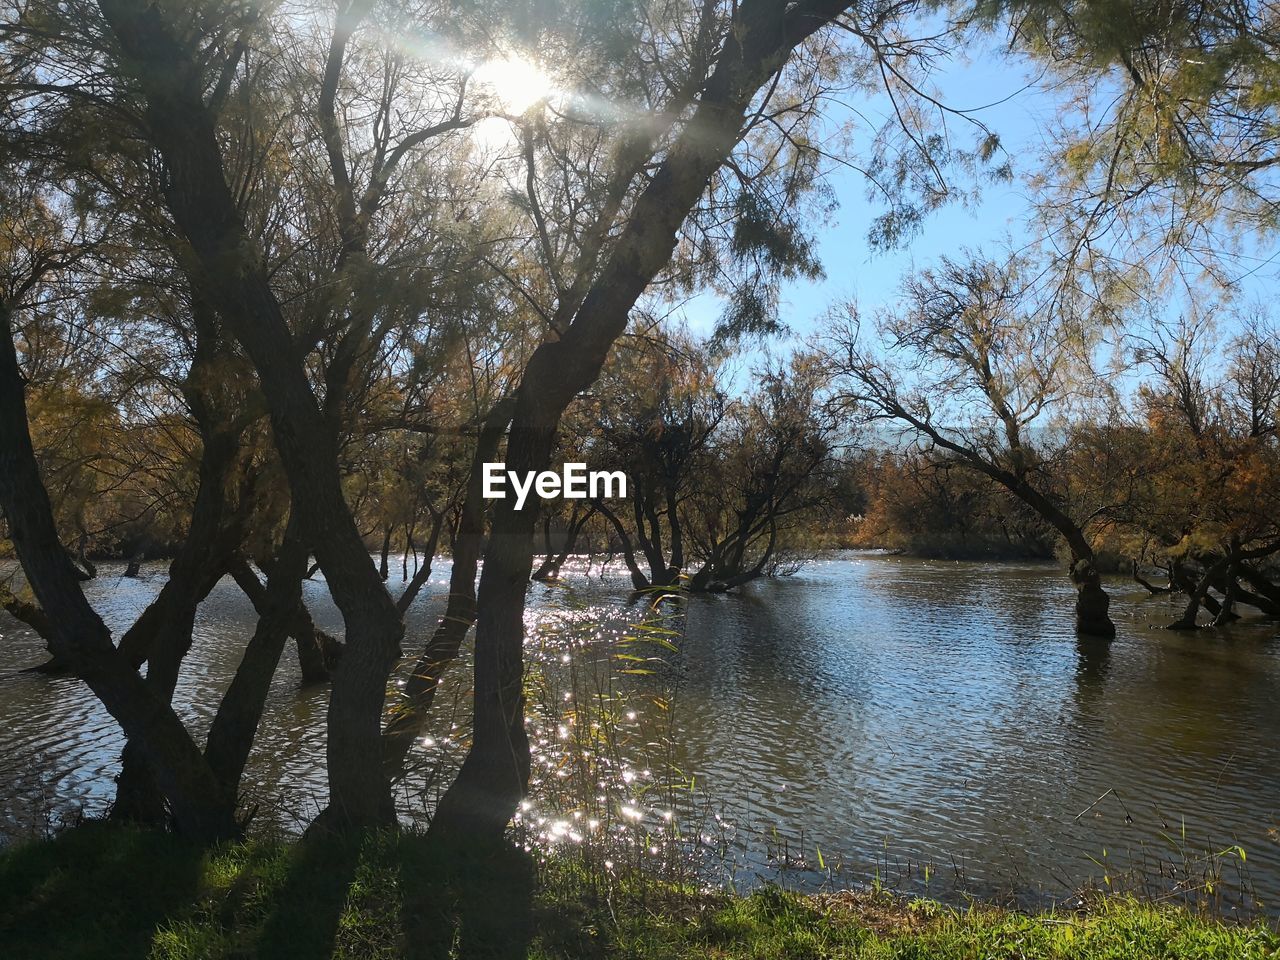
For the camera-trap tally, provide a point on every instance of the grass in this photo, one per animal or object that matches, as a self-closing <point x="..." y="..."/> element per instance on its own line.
<point x="100" y="891"/>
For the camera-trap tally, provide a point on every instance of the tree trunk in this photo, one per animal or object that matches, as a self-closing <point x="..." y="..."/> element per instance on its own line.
<point x="1092" y="602"/>
<point x="1267" y="595"/>
<point x="318" y="652"/>
<point x="383" y="570"/>
<point x="1151" y="587"/>
<point x="423" y="571"/>
<point x="638" y="580"/>
<point x="544" y="571"/>
<point x="551" y="565"/>
<point x="82" y="556"/>
<point x="1227" y="613"/>
<point x="214" y="533"/>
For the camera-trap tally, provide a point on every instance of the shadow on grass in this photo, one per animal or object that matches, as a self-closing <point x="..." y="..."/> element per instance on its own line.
<point x="466" y="902"/>
<point x="307" y="909"/>
<point x="94" y="892"/>
<point x="103" y="892"/>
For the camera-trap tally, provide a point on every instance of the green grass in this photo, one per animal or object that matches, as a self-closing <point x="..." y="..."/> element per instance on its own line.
<point x="105" y="892"/>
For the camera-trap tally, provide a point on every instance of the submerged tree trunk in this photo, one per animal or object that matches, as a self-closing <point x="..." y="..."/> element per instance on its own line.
<point x="423" y="571"/>
<point x="1266" y="596"/>
<point x="1151" y="587"/>
<point x="1227" y="613"/>
<point x="1092" y="602"/>
<point x="554" y="561"/>
<point x="543" y="572"/>
<point x="384" y="556"/>
<point x="410" y="713"/>
<point x="234" y="726"/>
<point x="1232" y="563"/>
<point x="82" y="555"/>
<point x="638" y="580"/>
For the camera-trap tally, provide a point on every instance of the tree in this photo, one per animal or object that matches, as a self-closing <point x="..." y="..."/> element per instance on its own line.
<point x="656" y="410"/>
<point x="980" y="357"/>
<point x="772" y="466"/>
<point x="1169" y="158"/>
<point x="1209" y="460"/>
<point x="333" y="227"/>
<point x="45" y="247"/>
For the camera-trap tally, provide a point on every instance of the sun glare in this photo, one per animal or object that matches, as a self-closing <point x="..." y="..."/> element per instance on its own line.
<point x="516" y="83"/>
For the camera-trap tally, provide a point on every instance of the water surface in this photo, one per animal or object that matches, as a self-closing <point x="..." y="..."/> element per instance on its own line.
<point x="935" y="724"/>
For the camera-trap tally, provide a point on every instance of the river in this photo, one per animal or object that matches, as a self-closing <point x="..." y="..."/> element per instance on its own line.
<point x="933" y="726"/>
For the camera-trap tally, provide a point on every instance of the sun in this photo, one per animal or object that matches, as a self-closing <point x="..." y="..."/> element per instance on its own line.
<point x="516" y="83"/>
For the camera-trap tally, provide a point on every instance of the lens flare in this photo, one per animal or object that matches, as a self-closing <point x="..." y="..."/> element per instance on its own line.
<point x="514" y="82"/>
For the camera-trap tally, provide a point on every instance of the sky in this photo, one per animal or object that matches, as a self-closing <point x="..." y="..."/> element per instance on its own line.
<point x="1020" y="113"/>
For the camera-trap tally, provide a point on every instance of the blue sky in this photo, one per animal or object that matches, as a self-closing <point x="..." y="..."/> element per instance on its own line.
<point x="1021" y="114"/>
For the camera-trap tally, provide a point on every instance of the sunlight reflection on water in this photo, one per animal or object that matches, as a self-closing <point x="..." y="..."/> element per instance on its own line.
<point x="932" y="723"/>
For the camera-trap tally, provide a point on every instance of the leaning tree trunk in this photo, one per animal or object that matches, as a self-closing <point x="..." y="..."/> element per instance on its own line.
<point x="1092" y="602"/>
<point x="422" y="572"/>
<point x="236" y="722"/>
<point x="494" y="777"/>
<point x="554" y="562"/>
<point x="638" y="580"/>
<point x="1199" y="594"/>
<point x="1228" y="612"/>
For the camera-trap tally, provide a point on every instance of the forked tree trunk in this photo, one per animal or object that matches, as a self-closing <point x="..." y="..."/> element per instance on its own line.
<point x="82" y="556"/>
<point x="318" y="652"/>
<point x="138" y="797"/>
<point x="554" y="561"/>
<point x="423" y="571"/>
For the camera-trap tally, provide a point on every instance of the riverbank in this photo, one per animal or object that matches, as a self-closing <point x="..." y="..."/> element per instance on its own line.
<point x="99" y="892"/>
